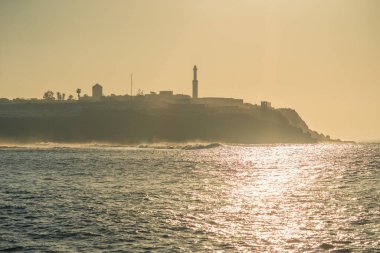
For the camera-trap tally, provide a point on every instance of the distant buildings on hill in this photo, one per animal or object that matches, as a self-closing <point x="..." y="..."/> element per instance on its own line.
<point x="168" y="96"/>
<point x="163" y="98"/>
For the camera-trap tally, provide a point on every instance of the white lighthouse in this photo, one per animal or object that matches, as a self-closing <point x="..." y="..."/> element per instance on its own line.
<point x="195" y="83"/>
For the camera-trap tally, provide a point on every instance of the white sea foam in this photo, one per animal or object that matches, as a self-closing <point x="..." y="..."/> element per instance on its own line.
<point x="159" y="145"/>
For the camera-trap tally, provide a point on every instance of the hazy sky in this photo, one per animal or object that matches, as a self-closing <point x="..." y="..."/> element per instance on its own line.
<point x="321" y="58"/>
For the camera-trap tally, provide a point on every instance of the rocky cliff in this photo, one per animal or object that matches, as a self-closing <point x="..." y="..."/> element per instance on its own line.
<point x="123" y="123"/>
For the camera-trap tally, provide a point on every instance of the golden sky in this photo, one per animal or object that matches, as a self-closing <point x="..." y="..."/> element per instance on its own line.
<point x="321" y="58"/>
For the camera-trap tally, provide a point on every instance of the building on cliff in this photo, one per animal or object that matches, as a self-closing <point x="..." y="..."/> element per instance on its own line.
<point x="97" y="91"/>
<point x="266" y="105"/>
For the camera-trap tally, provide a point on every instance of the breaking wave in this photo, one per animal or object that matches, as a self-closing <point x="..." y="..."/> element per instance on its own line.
<point x="52" y="145"/>
<point x="184" y="146"/>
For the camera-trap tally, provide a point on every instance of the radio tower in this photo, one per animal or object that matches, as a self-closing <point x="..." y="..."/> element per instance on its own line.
<point x="131" y="83"/>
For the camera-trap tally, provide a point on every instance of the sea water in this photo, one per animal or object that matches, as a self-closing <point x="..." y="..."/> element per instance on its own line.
<point x="190" y="198"/>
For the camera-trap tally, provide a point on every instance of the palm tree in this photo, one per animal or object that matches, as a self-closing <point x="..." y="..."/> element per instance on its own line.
<point x="78" y="92"/>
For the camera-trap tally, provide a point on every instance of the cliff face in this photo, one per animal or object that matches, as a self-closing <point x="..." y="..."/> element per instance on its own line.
<point x="127" y="124"/>
<point x="295" y="120"/>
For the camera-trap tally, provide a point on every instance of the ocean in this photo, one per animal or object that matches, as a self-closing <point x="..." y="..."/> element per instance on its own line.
<point x="190" y="198"/>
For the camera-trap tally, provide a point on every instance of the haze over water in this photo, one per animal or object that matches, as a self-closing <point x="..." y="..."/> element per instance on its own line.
<point x="277" y="198"/>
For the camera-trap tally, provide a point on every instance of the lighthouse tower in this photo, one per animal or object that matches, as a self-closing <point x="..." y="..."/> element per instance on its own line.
<point x="195" y="83"/>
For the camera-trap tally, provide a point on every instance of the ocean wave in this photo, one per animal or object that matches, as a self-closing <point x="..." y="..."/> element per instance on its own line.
<point x="183" y="146"/>
<point x="53" y="145"/>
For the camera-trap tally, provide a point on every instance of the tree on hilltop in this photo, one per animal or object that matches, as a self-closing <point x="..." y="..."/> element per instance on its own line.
<point x="49" y="95"/>
<point x="78" y="92"/>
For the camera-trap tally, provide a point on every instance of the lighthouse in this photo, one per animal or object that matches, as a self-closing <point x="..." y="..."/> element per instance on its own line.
<point x="195" y="82"/>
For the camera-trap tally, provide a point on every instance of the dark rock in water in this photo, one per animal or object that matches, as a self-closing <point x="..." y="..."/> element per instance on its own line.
<point x="326" y="246"/>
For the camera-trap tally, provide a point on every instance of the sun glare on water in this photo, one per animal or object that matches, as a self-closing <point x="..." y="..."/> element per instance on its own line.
<point x="270" y="196"/>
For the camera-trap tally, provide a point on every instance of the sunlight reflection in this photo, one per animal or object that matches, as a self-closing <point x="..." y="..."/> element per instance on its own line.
<point x="258" y="197"/>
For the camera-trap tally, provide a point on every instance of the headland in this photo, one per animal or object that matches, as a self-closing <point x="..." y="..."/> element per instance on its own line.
<point x="149" y="118"/>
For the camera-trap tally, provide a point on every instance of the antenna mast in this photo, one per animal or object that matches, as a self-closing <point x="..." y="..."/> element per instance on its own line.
<point x="131" y="83"/>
